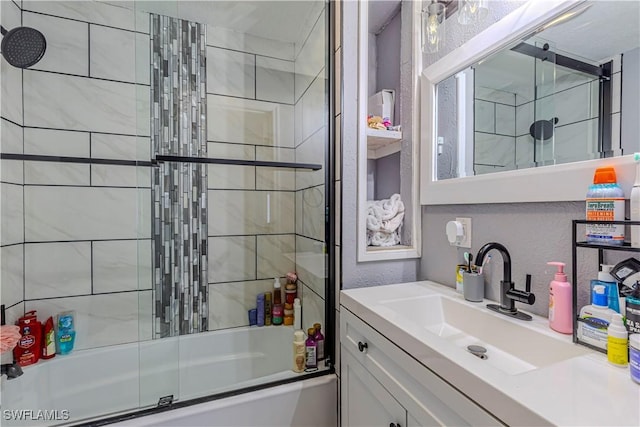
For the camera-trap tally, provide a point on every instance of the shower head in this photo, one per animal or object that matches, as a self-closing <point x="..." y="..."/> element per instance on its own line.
<point x="23" y="47"/>
<point x="543" y="129"/>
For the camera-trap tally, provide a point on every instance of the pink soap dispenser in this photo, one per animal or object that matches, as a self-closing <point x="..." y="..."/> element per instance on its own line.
<point x="560" y="301"/>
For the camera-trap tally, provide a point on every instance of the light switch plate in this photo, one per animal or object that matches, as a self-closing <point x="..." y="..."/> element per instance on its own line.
<point x="466" y="226"/>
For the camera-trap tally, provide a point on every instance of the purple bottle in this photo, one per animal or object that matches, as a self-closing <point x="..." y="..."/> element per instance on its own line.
<point x="319" y="338"/>
<point x="260" y="310"/>
<point x="311" y="349"/>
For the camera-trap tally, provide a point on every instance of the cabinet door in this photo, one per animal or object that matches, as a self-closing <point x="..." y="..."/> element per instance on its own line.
<point x="364" y="401"/>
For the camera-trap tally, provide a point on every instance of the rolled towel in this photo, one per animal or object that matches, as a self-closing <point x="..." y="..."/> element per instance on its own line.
<point x="391" y="206"/>
<point x="380" y="238"/>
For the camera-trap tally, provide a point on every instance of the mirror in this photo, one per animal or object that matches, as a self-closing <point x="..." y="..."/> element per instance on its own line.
<point x="545" y="86"/>
<point x="550" y="99"/>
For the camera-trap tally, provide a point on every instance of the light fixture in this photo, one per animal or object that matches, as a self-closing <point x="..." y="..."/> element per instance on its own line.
<point x="472" y="11"/>
<point x="433" y="19"/>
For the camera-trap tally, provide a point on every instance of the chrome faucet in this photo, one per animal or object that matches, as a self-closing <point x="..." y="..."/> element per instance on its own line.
<point x="508" y="293"/>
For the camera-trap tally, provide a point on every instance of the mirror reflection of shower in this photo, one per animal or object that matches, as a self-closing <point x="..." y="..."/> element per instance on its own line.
<point x="536" y="106"/>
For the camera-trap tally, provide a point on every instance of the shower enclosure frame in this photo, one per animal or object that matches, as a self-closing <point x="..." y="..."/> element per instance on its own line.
<point x="332" y="282"/>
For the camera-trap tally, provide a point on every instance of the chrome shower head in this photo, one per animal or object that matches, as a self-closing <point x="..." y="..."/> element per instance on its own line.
<point x="23" y="47"/>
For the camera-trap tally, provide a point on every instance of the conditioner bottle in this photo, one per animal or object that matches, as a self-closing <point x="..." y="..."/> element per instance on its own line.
<point x="298" y="351"/>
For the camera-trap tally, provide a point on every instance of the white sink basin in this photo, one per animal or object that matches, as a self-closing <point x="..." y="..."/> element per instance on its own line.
<point x="512" y="347"/>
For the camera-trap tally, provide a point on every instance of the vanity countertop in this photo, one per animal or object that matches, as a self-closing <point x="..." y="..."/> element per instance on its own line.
<point x="583" y="390"/>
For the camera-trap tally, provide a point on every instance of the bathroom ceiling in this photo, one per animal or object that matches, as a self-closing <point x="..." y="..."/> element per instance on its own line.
<point x="277" y="20"/>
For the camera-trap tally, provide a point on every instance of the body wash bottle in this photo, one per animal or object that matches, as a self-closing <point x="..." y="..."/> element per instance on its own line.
<point x="560" y="317"/>
<point x="66" y="333"/>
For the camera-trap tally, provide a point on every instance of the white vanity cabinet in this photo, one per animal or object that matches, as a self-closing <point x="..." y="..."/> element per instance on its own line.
<point x="384" y="386"/>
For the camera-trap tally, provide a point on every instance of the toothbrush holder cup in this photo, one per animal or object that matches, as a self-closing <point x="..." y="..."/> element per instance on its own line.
<point x="473" y="286"/>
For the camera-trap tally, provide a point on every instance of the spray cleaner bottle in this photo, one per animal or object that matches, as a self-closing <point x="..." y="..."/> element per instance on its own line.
<point x="560" y="301"/>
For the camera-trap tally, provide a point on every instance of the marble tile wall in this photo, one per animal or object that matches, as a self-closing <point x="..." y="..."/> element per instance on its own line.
<point x="250" y="116"/>
<point x="81" y="231"/>
<point x="266" y="103"/>
<point x="11" y="180"/>
<point x="310" y="147"/>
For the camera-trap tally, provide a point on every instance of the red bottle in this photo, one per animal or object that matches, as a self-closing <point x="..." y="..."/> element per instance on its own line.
<point x="29" y="347"/>
<point x="48" y="340"/>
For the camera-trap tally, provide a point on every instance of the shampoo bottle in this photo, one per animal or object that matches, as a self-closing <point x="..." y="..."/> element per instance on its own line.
<point x="297" y="314"/>
<point x="66" y="333"/>
<point x="319" y="338"/>
<point x="634" y="205"/>
<point x="260" y="310"/>
<point x="298" y="351"/>
<point x="311" y="350"/>
<point x="617" y="342"/>
<point x="560" y="301"/>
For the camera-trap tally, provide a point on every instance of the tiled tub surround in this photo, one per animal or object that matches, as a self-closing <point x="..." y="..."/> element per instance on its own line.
<point x="266" y="102"/>
<point x="310" y="137"/>
<point x="84" y="229"/>
<point x="11" y="180"/>
<point x="179" y="190"/>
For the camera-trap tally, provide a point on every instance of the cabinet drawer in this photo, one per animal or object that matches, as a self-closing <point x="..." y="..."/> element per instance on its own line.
<point x="427" y="397"/>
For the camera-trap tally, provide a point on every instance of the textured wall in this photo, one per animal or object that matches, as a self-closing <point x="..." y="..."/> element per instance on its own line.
<point x="355" y="274"/>
<point x="533" y="233"/>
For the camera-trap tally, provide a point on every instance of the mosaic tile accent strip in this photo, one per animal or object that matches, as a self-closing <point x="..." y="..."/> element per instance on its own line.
<point x="179" y="190"/>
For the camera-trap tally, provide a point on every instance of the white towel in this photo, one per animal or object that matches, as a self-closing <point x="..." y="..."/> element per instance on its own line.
<point x="384" y="221"/>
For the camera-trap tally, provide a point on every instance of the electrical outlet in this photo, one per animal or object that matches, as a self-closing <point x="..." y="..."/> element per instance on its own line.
<point x="466" y="227"/>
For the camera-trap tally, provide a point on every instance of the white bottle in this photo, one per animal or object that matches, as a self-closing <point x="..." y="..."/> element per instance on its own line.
<point x="299" y="351"/>
<point x="617" y="342"/>
<point x="634" y="205"/>
<point x="297" y="314"/>
<point x="595" y="318"/>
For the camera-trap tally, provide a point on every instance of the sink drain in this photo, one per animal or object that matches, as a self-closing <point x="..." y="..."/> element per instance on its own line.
<point x="478" y="350"/>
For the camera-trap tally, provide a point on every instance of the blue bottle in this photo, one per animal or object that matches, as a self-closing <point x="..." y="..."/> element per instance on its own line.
<point x="260" y="308"/>
<point x="611" y="286"/>
<point x="66" y="333"/>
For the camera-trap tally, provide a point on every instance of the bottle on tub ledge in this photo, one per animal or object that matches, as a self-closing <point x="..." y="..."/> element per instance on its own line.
<point x="66" y="333"/>
<point x="311" y="350"/>
<point x="277" y="309"/>
<point x="319" y="339"/>
<point x="299" y="351"/>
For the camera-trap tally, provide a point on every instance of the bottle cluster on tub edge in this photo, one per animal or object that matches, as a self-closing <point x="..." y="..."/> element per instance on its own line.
<point x="44" y="340"/>
<point x="283" y="307"/>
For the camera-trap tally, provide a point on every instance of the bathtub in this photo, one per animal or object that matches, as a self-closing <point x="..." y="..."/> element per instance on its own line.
<point x="311" y="402"/>
<point x="106" y="381"/>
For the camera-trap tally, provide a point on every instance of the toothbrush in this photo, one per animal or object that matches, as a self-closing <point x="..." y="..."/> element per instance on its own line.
<point x="468" y="257"/>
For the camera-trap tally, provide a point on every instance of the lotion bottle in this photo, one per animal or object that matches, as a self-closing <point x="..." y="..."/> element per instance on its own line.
<point x="298" y="351"/>
<point x="634" y="205"/>
<point x="560" y="301"/>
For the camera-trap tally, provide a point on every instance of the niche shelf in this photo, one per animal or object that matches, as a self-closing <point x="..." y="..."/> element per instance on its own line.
<point x="381" y="143"/>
